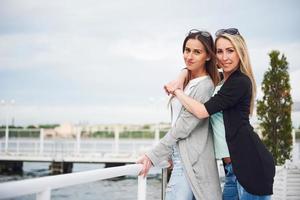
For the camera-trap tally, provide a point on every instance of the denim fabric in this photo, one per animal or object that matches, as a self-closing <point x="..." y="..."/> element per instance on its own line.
<point x="230" y="191"/>
<point x="234" y="191"/>
<point x="178" y="187"/>
<point x="244" y="195"/>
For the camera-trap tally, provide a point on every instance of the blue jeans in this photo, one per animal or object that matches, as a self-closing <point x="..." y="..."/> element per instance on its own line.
<point x="178" y="187"/>
<point x="234" y="191"/>
<point x="230" y="191"/>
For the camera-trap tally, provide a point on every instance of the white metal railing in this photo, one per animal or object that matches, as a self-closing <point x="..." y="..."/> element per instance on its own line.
<point x="76" y="144"/>
<point x="287" y="182"/>
<point x="42" y="146"/>
<point x="42" y="186"/>
<point x="69" y="147"/>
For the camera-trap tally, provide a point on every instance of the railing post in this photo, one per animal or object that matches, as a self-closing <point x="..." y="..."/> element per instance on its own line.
<point x="44" y="195"/>
<point x="6" y="135"/>
<point x="78" y="137"/>
<point x="36" y="147"/>
<point x="164" y="182"/>
<point x="8" y="104"/>
<point x="295" y="150"/>
<point x="18" y="147"/>
<point x="156" y="136"/>
<point x="41" y="141"/>
<point x="116" y="132"/>
<point x="285" y="169"/>
<point x="142" y="183"/>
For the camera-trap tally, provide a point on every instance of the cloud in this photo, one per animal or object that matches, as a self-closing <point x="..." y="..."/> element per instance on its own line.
<point x="260" y="49"/>
<point x="261" y="62"/>
<point x="150" y="49"/>
<point x="152" y="111"/>
<point x="59" y="56"/>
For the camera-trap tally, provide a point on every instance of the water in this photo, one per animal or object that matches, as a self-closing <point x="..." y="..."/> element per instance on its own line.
<point x="121" y="189"/>
<point x="118" y="189"/>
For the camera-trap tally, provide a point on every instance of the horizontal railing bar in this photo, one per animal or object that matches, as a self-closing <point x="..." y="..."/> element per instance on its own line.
<point x="36" y="185"/>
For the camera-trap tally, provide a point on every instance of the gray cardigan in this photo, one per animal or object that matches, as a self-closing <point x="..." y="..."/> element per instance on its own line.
<point x="193" y="138"/>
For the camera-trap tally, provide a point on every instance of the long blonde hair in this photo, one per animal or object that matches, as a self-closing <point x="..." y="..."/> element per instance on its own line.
<point x="245" y="65"/>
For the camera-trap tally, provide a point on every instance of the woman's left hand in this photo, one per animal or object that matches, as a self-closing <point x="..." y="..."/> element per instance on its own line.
<point x="147" y="164"/>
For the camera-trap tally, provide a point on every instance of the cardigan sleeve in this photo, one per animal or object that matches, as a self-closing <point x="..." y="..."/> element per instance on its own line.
<point x="229" y="94"/>
<point x="184" y="125"/>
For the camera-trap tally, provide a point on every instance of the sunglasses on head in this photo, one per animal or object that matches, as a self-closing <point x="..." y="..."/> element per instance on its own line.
<point x="230" y="31"/>
<point x="196" y="31"/>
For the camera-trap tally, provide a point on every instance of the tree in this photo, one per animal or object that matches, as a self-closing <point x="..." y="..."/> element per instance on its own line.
<point x="274" y="110"/>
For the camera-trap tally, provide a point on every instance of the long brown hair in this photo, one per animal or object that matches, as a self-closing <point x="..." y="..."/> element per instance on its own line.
<point x="210" y="66"/>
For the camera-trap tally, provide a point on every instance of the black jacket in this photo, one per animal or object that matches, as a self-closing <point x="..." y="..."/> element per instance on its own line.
<point x="252" y="163"/>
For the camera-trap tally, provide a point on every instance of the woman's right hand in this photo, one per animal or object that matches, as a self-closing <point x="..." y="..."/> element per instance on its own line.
<point x="147" y="164"/>
<point x="177" y="83"/>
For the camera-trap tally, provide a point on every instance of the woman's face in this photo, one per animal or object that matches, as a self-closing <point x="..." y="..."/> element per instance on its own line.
<point x="228" y="59"/>
<point x="194" y="55"/>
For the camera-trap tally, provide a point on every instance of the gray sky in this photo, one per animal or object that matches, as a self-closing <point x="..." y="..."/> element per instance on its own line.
<point x="106" y="61"/>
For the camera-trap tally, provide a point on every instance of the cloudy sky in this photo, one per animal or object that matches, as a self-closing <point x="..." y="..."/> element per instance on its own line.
<point x="97" y="61"/>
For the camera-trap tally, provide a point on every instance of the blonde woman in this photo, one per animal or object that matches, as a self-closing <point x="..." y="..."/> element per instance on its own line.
<point x="250" y="168"/>
<point x="189" y="142"/>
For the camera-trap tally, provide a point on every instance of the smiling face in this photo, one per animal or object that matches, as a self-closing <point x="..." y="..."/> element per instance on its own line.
<point x="195" y="56"/>
<point x="228" y="58"/>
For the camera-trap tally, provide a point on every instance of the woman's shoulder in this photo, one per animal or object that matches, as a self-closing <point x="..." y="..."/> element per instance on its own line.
<point x="208" y="82"/>
<point x="240" y="79"/>
<point x="205" y="84"/>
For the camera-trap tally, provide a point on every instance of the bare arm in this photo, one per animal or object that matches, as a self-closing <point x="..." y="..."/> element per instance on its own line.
<point x="175" y="87"/>
<point x="195" y="107"/>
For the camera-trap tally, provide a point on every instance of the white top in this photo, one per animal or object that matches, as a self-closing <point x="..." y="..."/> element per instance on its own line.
<point x="175" y="109"/>
<point x="175" y="103"/>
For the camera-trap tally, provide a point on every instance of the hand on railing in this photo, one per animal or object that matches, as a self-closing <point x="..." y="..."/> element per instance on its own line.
<point x="147" y="164"/>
